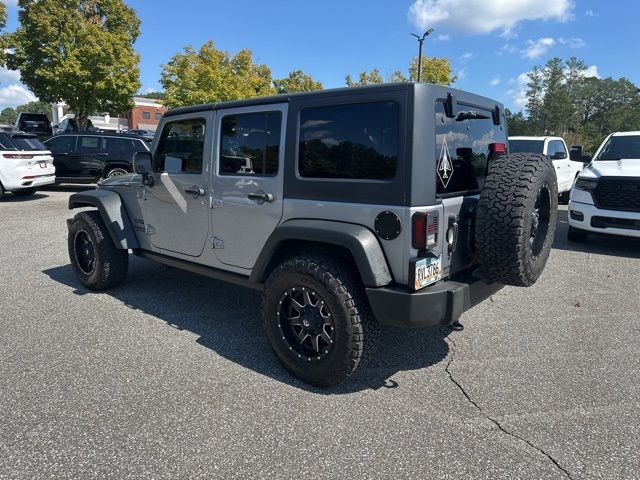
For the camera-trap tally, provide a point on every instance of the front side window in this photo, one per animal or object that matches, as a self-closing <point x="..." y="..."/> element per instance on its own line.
<point x="61" y="144"/>
<point x="250" y="144"/>
<point x="352" y="141"/>
<point x="181" y="146"/>
<point x="120" y="147"/>
<point x="465" y="145"/>
<point x="620" y="147"/>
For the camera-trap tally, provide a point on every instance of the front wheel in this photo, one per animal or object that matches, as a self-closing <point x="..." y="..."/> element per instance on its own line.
<point x="318" y="319"/>
<point x="97" y="263"/>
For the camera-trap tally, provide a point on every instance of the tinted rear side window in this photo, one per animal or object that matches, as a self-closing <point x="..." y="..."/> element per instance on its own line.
<point x="463" y="148"/>
<point x="354" y="141"/>
<point x="250" y="144"/>
<point x="526" y="146"/>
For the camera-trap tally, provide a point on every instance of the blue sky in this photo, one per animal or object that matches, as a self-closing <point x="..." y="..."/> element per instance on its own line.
<point x="491" y="43"/>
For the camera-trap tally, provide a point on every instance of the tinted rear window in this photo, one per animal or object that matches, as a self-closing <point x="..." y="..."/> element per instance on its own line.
<point x="34" y="117"/>
<point x="526" y="146"/>
<point x="463" y="148"/>
<point x="354" y="141"/>
<point x="11" y="142"/>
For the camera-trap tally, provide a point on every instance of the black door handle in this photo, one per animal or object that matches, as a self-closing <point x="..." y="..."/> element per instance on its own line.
<point x="194" y="190"/>
<point x="260" y="195"/>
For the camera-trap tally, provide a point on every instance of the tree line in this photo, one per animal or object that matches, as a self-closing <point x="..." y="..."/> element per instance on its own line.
<point x="563" y="99"/>
<point x="82" y="52"/>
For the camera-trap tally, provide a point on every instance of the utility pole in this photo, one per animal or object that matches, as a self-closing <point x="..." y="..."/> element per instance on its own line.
<point x="420" y="42"/>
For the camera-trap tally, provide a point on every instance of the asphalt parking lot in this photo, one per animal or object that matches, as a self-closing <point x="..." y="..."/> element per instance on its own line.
<point x="170" y="376"/>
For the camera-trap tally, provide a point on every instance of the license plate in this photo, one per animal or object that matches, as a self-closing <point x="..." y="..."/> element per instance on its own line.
<point x="42" y="164"/>
<point x="426" y="271"/>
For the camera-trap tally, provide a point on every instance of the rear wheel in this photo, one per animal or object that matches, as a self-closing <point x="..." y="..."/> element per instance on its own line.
<point x="516" y="218"/>
<point x="116" y="172"/>
<point x="25" y="192"/>
<point x="577" y="235"/>
<point x="1" y="190"/>
<point x="97" y="263"/>
<point x="318" y="319"/>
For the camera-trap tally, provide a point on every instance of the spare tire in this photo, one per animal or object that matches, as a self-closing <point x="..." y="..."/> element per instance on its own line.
<point x="516" y="218"/>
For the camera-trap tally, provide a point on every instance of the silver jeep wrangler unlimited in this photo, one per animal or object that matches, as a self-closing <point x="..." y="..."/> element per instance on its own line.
<point x="352" y="208"/>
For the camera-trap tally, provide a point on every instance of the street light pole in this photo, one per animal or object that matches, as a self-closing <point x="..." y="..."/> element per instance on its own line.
<point x="420" y="42"/>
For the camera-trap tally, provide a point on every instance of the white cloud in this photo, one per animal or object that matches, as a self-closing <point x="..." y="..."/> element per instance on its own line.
<point x="591" y="13"/>
<point x="9" y="76"/>
<point x="572" y="42"/>
<point x="486" y="16"/>
<point x="537" y="48"/>
<point x="443" y="37"/>
<point x="591" y="71"/>
<point x="506" y="49"/>
<point x="495" y="81"/>
<point x="11" y="3"/>
<point x="461" y="74"/>
<point x="14" y="95"/>
<point x="466" y="56"/>
<point x="518" y="94"/>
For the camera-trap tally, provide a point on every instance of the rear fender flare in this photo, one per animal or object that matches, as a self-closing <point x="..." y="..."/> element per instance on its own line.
<point x="357" y="239"/>
<point x="113" y="213"/>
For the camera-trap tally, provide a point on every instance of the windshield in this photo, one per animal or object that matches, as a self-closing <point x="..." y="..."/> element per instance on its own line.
<point x="526" y="146"/>
<point x="620" y="147"/>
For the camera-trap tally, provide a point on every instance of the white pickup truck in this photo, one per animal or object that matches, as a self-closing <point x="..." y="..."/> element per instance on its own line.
<point x="555" y="147"/>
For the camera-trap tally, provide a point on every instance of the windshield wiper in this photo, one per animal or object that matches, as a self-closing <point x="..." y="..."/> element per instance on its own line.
<point x="470" y="115"/>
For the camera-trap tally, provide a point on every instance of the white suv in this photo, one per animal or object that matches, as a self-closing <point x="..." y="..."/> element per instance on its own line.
<point x="25" y="164"/>
<point x="555" y="147"/>
<point x="606" y="195"/>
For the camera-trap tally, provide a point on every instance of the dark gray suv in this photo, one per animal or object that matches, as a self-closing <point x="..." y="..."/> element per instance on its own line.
<point x="349" y="209"/>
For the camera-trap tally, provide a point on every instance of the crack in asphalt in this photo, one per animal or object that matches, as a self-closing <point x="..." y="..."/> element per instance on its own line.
<point x="452" y="345"/>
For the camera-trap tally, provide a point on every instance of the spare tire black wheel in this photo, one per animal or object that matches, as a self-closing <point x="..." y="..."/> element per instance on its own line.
<point x="516" y="218"/>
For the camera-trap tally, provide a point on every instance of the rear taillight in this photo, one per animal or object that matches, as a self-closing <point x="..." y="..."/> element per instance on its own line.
<point x="17" y="156"/>
<point x="498" y="147"/>
<point x="424" y="230"/>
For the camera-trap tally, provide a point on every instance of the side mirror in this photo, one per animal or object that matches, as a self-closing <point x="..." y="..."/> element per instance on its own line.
<point x="560" y="155"/>
<point x="142" y="165"/>
<point x="586" y="159"/>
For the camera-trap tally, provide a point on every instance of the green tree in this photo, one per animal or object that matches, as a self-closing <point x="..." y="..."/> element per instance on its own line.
<point x="35" y="107"/>
<point x="78" y="51"/>
<point x="3" y="23"/>
<point x="8" y="116"/>
<point x="152" y="95"/>
<point x="212" y="75"/>
<point x="535" y="98"/>
<point x="434" y="70"/>
<point x="297" y="81"/>
<point x="517" y="122"/>
<point x="365" y="78"/>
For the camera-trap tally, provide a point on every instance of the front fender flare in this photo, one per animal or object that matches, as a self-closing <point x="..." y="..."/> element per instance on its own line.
<point x="113" y="213"/>
<point x="359" y="240"/>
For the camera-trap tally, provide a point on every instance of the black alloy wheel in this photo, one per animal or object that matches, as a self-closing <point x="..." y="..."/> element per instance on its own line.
<point x="540" y="221"/>
<point x="306" y="323"/>
<point x="85" y="252"/>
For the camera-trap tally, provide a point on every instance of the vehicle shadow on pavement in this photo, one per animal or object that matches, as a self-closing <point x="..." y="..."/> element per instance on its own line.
<point x="68" y="188"/>
<point x="600" y="244"/>
<point x="11" y="198"/>
<point x="228" y="320"/>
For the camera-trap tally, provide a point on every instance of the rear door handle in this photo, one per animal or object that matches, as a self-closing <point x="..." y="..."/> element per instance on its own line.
<point x="261" y="196"/>
<point x="194" y="190"/>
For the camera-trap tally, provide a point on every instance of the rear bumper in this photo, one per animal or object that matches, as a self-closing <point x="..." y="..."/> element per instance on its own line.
<point x="440" y="304"/>
<point x="38" y="181"/>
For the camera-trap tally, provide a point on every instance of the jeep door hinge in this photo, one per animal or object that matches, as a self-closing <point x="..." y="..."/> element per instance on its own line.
<point x="215" y="202"/>
<point x="216" y="243"/>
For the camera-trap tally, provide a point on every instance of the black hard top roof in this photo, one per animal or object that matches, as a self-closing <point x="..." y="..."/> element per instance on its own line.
<point x="285" y="98"/>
